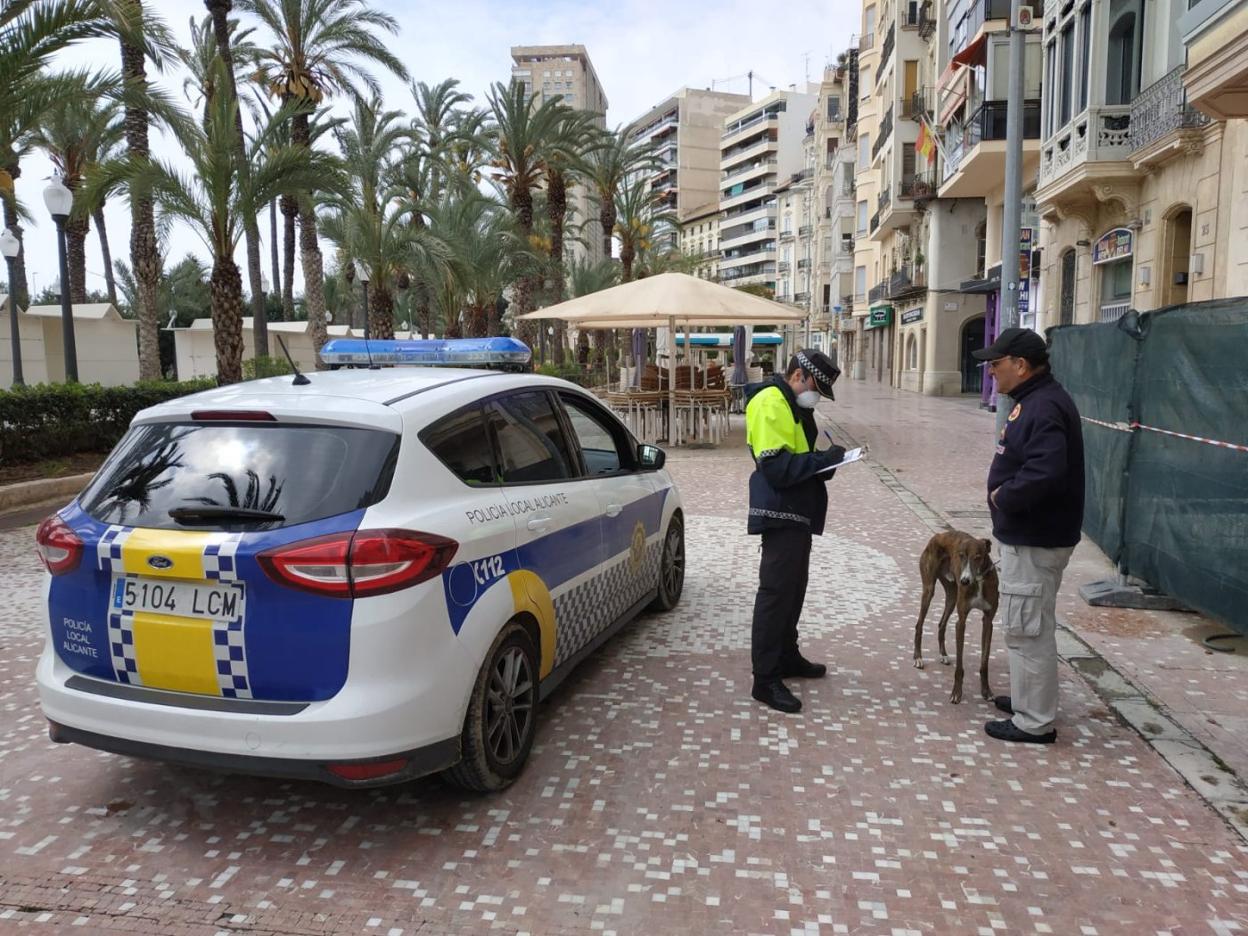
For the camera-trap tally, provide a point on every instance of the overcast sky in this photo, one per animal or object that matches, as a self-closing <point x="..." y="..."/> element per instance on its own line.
<point x="642" y="50"/>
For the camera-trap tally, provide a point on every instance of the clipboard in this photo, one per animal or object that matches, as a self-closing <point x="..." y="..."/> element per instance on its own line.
<point x="851" y="456"/>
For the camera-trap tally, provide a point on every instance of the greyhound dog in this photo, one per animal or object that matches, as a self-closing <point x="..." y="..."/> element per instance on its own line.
<point x="964" y="566"/>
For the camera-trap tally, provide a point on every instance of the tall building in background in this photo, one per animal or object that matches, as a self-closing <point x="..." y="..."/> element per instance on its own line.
<point x="762" y="147"/>
<point x="685" y="131"/>
<point x="566" y="70"/>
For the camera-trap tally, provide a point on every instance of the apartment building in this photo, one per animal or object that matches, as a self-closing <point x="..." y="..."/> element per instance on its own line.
<point x="1143" y="183"/>
<point x="699" y="239"/>
<point x="761" y="146"/>
<point x="566" y="70"/>
<point x="684" y="131"/>
<point x="870" y="349"/>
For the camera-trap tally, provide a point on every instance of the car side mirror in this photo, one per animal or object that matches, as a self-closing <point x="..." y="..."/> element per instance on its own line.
<point x="650" y="457"/>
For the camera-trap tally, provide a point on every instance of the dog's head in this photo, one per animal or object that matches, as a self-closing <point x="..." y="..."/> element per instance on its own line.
<point x="974" y="559"/>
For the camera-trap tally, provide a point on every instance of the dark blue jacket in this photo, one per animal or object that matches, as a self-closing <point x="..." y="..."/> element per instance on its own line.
<point x="1038" y="469"/>
<point x="785" y="490"/>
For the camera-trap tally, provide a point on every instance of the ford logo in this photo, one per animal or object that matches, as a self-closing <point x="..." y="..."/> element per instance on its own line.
<point x="159" y="562"/>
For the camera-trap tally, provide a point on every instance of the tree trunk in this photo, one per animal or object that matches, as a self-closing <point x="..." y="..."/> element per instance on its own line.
<point x="106" y="253"/>
<point x="557" y="212"/>
<point x="144" y="248"/>
<point x="290" y="212"/>
<point x="310" y="251"/>
<point x="477" y="323"/>
<point x="227" y="319"/>
<point x="522" y="207"/>
<point x="606" y="218"/>
<point x="275" y="258"/>
<point x="380" y="312"/>
<point x="76" y="230"/>
<point x="11" y="221"/>
<point x="220" y="12"/>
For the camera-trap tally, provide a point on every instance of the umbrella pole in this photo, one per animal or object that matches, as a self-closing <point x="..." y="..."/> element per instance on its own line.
<point x="672" y="434"/>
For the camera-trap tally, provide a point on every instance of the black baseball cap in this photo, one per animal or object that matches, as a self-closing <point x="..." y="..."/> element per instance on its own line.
<point x="819" y="366"/>
<point x="1015" y="342"/>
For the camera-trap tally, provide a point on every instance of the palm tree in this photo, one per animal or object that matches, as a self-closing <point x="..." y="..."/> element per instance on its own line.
<point x="31" y="35"/>
<point x="213" y="200"/>
<point x="640" y="212"/>
<point x="616" y="159"/>
<point x="75" y="134"/>
<point x="317" y="46"/>
<point x="526" y="138"/>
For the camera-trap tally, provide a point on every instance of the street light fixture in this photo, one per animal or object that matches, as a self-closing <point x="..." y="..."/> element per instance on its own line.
<point x="10" y="246"/>
<point x="362" y="273"/>
<point x="60" y="202"/>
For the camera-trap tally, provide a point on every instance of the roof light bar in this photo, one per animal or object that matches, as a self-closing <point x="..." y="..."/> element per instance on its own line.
<point x="426" y="352"/>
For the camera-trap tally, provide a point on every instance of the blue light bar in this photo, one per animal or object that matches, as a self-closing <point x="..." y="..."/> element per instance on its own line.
<point x="427" y="352"/>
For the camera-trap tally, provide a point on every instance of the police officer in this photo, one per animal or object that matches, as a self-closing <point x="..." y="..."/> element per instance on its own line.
<point x="788" y="505"/>
<point x="1035" y="493"/>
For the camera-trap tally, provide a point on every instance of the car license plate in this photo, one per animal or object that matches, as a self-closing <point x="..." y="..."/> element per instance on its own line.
<point x="212" y="601"/>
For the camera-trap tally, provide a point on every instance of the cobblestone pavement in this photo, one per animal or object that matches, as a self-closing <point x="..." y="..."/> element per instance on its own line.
<point x="660" y="798"/>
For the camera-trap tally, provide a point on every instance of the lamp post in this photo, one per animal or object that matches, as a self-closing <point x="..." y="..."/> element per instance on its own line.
<point x="10" y="246"/>
<point x="60" y="201"/>
<point x="362" y="273"/>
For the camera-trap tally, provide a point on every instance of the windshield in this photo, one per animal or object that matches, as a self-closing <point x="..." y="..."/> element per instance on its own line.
<point x="225" y="476"/>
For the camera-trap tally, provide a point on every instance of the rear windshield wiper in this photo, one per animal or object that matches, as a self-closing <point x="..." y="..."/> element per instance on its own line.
<point x="207" y="514"/>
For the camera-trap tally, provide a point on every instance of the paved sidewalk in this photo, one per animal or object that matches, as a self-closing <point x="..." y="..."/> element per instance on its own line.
<point x="660" y="798"/>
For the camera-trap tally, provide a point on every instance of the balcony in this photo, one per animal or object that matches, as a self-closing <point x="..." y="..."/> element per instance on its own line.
<point x="975" y="162"/>
<point x="875" y="222"/>
<point x="918" y="105"/>
<point x="921" y="186"/>
<point x="915" y="13"/>
<point x="783" y="266"/>
<point x="1162" y="122"/>
<point x="804" y="263"/>
<point x="927" y="21"/>
<point x="1215" y="35"/>
<point x="786" y="235"/>
<point x="1114" y="311"/>
<point x="1098" y="135"/>
<point x="764" y="164"/>
<point x="906" y="281"/>
<point x="886" y="51"/>
<point x="886" y="131"/>
<point x="757" y="121"/>
<point x="847" y="247"/>
<point x="866" y="42"/>
<point x="877" y="292"/>
<point x="805" y="230"/>
<point x="801" y="298"/>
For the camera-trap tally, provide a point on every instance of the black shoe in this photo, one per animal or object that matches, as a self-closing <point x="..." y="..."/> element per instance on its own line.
<point x="801" y="668"/>
<point x="1004" y="703"/>
<point x="1006" y="730"/>
<point x="776" y="694"/>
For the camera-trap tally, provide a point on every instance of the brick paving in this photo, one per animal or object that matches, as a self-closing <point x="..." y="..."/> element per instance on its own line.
<point x="660" y="798"/>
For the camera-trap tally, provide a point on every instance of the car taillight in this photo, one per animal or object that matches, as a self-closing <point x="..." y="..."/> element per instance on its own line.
<point x="232" y="416"/>
<point x="356" y="772"/>
<point x="58" y="546"/>
<point x="360" y="564"/>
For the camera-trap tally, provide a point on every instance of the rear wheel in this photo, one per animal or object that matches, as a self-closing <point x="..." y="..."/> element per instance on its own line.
<point x="502" y="715"/>
<point x="671" y="567"/>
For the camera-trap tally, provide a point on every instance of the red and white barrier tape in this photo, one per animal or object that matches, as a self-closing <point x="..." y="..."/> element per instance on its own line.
<point x="1131" y="427"/>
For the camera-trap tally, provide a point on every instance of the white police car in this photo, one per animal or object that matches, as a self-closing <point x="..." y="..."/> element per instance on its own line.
<point x="363" y="578"/>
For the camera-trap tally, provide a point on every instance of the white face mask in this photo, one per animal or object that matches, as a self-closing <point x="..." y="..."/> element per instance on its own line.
<point x="807" y="399"/>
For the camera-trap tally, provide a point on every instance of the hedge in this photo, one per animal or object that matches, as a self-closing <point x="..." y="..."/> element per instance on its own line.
<point x="56" y="420"/>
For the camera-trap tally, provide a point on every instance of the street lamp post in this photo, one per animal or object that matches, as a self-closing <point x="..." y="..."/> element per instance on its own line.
<point x="60" y="201"/>
<point x="362" y="274"/>
<point x="10" y="246"/>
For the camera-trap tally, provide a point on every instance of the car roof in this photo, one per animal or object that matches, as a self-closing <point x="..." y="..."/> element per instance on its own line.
<point x="354" y="396"/>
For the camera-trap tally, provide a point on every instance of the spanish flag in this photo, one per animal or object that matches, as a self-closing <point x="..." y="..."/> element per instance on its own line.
<point x="926" y="144"/>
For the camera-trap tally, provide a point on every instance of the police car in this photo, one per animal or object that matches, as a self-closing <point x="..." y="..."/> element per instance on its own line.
<point x="359" y="576"/>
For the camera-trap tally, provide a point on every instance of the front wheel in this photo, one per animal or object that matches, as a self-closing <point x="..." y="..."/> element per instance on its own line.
<point x="502" y="716"/>
<point x="671" y="567"/>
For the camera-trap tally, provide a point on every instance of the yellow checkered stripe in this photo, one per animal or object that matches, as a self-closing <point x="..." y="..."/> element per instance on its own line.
<point x="167" y="651"/>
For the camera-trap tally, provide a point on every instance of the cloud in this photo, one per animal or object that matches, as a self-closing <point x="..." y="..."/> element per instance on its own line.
<point x="642" y="50"/>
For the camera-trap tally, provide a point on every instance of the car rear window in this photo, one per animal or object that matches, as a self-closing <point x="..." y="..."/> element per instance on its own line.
<point x="304" y="473"/>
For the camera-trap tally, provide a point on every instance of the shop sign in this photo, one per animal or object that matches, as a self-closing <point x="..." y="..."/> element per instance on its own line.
<point x="1113" y="245"/>
<point x="910" y="316"/>
<point x="880" y="316"/>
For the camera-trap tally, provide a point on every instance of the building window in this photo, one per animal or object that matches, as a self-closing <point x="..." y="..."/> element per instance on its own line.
<point x="864" y="150"/>
<point x="864" y="81"/>
<point x="912" y="353"/>
<point x="862" y="217"/>
<point x="834" y="108"/>
<point x="860" y="283"/>
<point x="981" y="248"/>
<point x="1068" y="67"/>
<point x="1085" y="40"/>
<point x="1122" y="71"/>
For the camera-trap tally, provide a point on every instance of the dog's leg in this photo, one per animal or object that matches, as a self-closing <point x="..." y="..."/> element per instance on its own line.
<point x="929" y="589"/>
<point x="963" y="610"/>
<point x="985" y="650"/>
<point x="951" y="600"/>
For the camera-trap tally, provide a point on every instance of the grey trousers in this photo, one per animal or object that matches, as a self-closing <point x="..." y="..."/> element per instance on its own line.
<point x="1030" y="578"/>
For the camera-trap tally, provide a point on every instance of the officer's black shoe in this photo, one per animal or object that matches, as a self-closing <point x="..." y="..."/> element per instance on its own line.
<point x="774" y="693"/>
<point x="1004" y="703"/>
<point x="1006" y="730"/>
<point x="801" y="668"/>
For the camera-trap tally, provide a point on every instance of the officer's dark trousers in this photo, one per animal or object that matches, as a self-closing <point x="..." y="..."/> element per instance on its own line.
<point x="782" y="580"/>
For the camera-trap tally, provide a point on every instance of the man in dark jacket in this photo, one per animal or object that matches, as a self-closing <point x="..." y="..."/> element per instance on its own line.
<point x="788" y="505"/>
<point x="1035" y="494"/>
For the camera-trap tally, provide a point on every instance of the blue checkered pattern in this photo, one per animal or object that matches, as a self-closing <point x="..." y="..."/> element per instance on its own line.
<point x="121" y="646"/>
<point x="219" y="558"/>
<point x="108" y="550"/>
<point x="231" y="659"/>
<point x="586" y="610"/>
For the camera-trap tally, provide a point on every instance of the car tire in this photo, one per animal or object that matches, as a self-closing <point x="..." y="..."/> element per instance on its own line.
<point x="671" y="567"/>
<point x="498" y="736"/>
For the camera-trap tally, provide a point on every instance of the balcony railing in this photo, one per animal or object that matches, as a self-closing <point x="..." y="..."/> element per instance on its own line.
<point x="875" y="221"/>
<point x="801" y="298"/>
<point x="1099" y="134"/>
<point x="886" y="52"/>
<point x="919" y="104"/>
<point x="905" y="281"/>
<point x="805" y="230"/>
<point x="783" y="266"/>
<point x="877" y="292"/>
<point x="1114" y="311"/>
<point x="866" y="41"/>
<point x="803" y="264"/>
<point x="886" y="199"/>
<point x="914" y="12"/>
<point x="987" y="122"/>
<point x="918" y="185"/>
<point x="886" y="130"/>
<point x="927" y="20"/>
<point x="1161" y="109"/>
<point x="786" y="235"/>
<point x="847" y="247"/>
<point x="745" y="125"/>
<point x="748" y="167"/>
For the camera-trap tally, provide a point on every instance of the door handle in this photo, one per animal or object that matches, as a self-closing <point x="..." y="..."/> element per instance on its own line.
<point x="538" y="524"/>
<point x="614" y="510"/>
